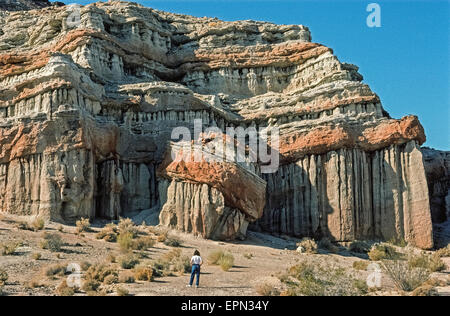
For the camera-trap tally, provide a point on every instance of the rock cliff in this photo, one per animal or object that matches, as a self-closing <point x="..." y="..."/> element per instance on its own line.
<point x="89" y="99"/>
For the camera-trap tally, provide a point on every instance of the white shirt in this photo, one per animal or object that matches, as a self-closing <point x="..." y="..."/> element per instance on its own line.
<point x="196" y="260"/>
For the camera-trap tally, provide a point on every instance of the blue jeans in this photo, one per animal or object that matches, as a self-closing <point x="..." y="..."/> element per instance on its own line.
<point x="195" y="271"/>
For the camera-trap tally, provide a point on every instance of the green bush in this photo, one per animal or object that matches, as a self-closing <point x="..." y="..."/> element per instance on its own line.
<point x="314" y="279"/>
<point x="221" y="258"/>
<point x="57" y="269"/>
<point x="108" y="233"/>
<point x="128" y="261"/>
<point x="404" y="276"/>
<point x="52" y="242"/>
<point x="172" y="242"/>
<point x="432" y="263"/>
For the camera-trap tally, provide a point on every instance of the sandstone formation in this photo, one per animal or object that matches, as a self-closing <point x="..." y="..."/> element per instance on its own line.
<point x="87" y="110"/>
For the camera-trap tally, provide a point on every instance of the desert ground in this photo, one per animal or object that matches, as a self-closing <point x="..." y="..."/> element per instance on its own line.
<point x="259" y="262"/>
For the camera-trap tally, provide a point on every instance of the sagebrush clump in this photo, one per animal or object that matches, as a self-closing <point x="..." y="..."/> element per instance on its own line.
<point x="9" y="248"/>
<point x="312" y="278"/>
<point x="224" y="259"/>
<point x="83" y="225"/>
<point x="307" y="245"/>
<point x="266" y="289"/>
<point x="404" y="276"/>
<point x="52" y="242"/>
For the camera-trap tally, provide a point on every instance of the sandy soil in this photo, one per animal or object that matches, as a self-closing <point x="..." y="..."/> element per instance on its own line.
<point x="270" y="257"/>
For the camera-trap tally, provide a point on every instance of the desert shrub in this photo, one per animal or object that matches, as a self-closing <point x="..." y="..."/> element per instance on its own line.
<point x="36" y="256"/>
<point x="360" y="265"/>
<point x="432" y="263"/>
<point x="215" y="256"/>
<point x="56" y="269"/>
<point x="90" y="285"/>
<point x="83" y="225"/>
<point x="444" y="252"/>
<point x="358" y="246"/>
<point x="111" y="279"/>
<point x="126" y="226"/>
<point x="3" y="276"/>
<point x="85" y="265"/>
<point x="64" y="290"/>
<point x="248" y="256"/>
<point x="128" y="261"/>
<point x="125" y="241"/>
<point x="33" y="283"/>
<point x="52" y="242"/>
<point x="383" y="251"/>
<point x="428" y="288"/>
<point x="143" y="273"/>
<point x="143" y="243"/>
<point x="108" y="233"/>
<point x="223" y="259"/>
<point x="172" y="242"/>
<point x="99" y="272"/>
<point x="313" y="279"/>
<point x="404" y="276"/>
<point x="37" y="224"/>
<point x="171" y="263"/>
<point x="266" y="289"/>
<point x="122" y="291"/>
<point x="326" y="244"/>
<point x="126" y="277"/>
<point x="9" y="248"/>
<point x="307" y="245"/>
<point x="226" y="262"/>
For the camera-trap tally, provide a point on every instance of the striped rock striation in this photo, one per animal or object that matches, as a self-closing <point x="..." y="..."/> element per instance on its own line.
<point x="87" y="110"/>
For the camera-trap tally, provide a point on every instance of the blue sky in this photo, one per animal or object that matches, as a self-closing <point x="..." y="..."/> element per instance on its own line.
<point x="405" y="61"/>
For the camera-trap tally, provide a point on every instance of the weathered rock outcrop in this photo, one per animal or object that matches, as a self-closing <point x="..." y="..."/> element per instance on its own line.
<point x="87" y="110"/>
<point x="437" y="169"/>
<point x="22" y="5"/>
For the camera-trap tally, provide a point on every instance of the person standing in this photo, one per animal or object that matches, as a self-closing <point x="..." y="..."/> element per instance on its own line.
<point x="196" y="263"/>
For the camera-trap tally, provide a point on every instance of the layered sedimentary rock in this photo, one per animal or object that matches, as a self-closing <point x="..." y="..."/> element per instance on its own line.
<point x="88" y="104"/>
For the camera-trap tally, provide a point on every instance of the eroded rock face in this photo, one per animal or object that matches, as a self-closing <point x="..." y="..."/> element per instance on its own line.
<point x="87" y="112"/>
<point x="437" y="168"/>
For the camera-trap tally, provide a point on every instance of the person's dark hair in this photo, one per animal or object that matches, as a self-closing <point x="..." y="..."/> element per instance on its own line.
<point x="196" y="253"/>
